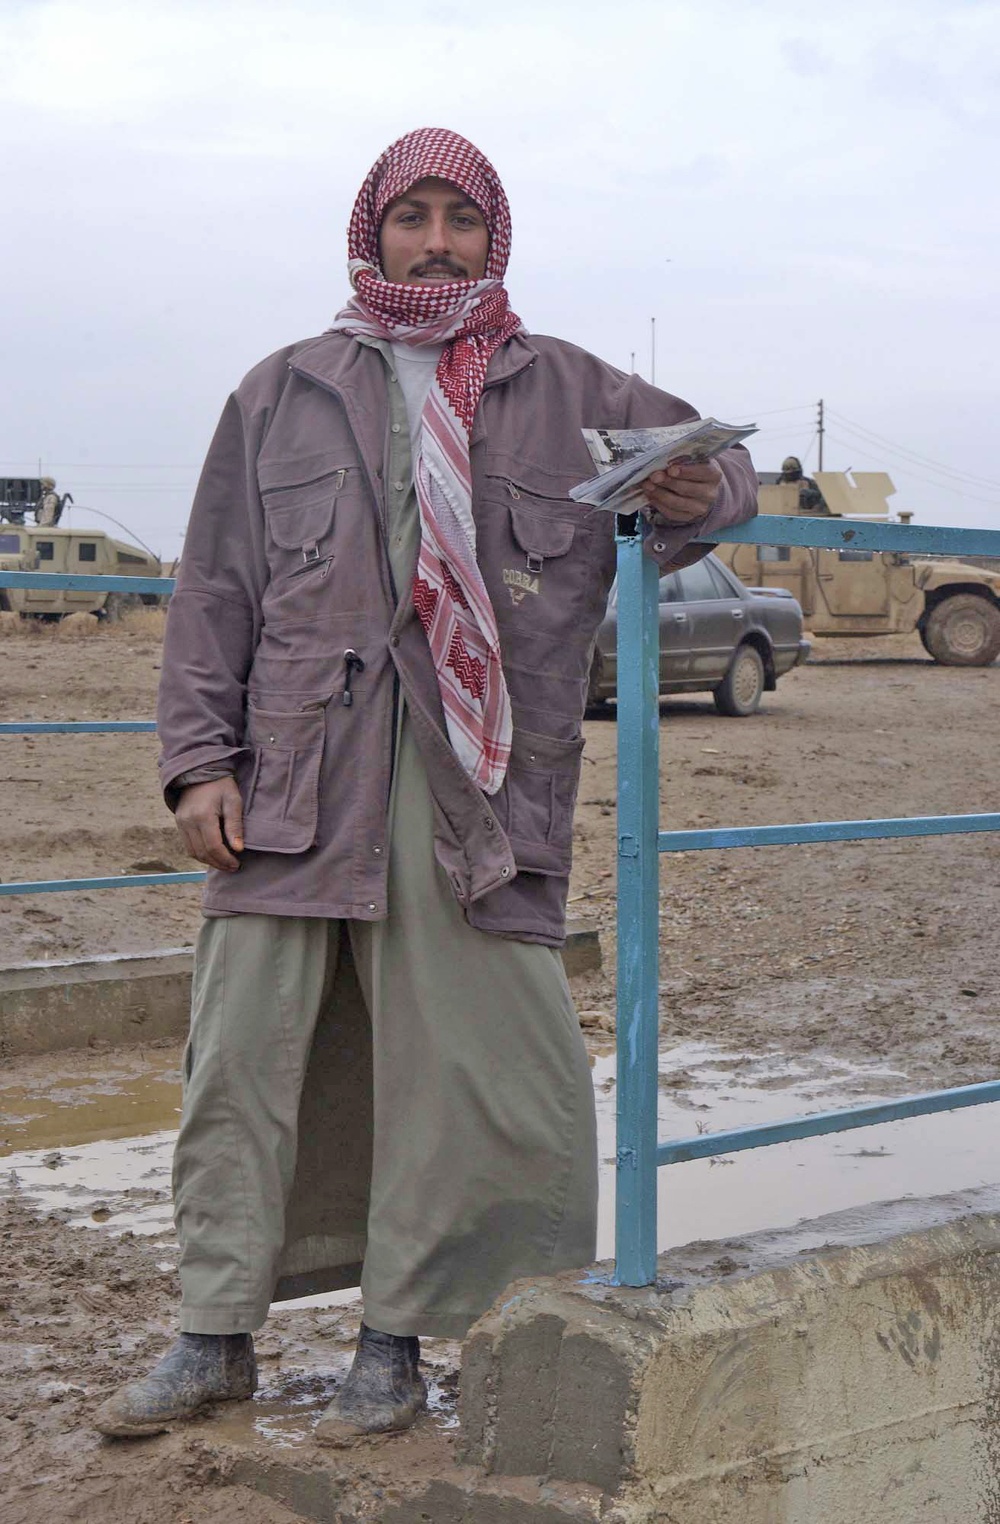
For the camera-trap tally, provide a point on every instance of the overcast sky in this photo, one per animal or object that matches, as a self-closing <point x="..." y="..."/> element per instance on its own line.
<point x="804" y="198"/>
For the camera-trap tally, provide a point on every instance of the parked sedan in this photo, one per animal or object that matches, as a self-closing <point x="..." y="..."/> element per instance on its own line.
<point x="715" y="634"/>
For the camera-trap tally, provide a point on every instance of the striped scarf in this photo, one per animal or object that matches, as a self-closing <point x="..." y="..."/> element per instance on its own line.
<point x="472" y="319"/>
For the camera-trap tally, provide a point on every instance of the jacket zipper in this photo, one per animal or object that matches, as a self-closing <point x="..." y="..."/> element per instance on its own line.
<point x="383" y="524"/>
<point x="340" y="473"/>
<point x="516" y="492"/>
<point x="323" y="562"/>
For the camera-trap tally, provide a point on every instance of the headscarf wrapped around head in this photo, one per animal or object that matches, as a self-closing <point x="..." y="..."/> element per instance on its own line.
<point x="430" y="152"/>
<point x="472" y="318"/>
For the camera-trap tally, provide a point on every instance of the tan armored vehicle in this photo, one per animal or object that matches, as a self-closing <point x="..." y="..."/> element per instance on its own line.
<point x="26" y="547"/>
<point x="953" y="605"/>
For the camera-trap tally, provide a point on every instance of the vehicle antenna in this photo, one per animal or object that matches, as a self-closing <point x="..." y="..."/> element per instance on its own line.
<point x="130" y="532"/>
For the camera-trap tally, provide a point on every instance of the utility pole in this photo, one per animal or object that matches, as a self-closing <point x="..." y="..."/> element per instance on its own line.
<point x="820" y="431"/>
<point x="631" y="362"/>
<point x="652" y="350"/>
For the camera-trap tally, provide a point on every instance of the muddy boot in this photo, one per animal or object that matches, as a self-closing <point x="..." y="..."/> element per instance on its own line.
<point x="196" y="1370"/>
<point x="384" y="1390"/>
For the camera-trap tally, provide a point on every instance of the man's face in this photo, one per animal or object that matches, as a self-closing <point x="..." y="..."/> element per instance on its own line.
<point x="433" y="234"/>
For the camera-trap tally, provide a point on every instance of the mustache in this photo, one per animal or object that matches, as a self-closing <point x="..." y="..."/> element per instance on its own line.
<point x="440" y="267"/>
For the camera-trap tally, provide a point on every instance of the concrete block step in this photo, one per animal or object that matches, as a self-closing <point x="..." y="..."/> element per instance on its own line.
<point x="121" y="999"/>
<point x="331" y="1495"/>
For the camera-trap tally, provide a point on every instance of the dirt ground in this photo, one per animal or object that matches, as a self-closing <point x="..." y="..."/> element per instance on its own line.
<point x="868" y="949"/>
<point x="864" y="951"/>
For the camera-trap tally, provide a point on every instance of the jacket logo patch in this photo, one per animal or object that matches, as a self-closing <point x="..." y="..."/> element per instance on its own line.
<point x="518" y="583"/>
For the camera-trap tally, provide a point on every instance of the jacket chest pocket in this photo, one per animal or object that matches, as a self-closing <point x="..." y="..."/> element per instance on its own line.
<point x="281" y="802"/>
<point x="537" y="563"/>
<point x="300" y="525"/>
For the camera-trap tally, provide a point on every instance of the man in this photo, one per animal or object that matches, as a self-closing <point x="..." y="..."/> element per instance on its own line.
<point x="375" y="748"/>
<point x="49" y="508"/>
<point x="811" y="499"/>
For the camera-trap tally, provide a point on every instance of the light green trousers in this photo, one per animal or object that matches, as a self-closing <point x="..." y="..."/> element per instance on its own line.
<point x="407" y="1103"/>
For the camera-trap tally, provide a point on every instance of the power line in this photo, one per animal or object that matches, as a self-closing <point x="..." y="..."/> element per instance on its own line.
<point x="958" y="489"/>
<point x="797" y="408"/>
<point x="804" y="456"/>
<point x="105" y="465"/>
<point x="939" y="476"/>
<point x="924" y="460"/>
<point x="139" y="488"/>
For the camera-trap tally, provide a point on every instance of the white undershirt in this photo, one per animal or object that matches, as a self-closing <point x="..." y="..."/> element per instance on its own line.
<point x="415" y="368"/>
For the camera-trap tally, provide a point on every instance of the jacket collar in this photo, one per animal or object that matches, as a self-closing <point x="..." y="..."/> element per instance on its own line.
<point x="332" y="358"/>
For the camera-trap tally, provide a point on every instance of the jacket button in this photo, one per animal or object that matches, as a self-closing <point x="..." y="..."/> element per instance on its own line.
<point x="376" y="851"/>
<point x="658" y="545"/>
<point x="394" y="640"/>
<point x="395" y="428"/>
<point x="505" y="873"/>
<point x="398" y="486"/>
<point x="372" y="906"/>
<point x="488" y="822"/>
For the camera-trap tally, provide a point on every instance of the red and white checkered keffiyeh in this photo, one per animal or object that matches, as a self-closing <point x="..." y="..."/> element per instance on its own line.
<point x="471" y="319"/>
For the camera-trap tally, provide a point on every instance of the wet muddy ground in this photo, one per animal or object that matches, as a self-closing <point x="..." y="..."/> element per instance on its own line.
<point x="791" y="980"/>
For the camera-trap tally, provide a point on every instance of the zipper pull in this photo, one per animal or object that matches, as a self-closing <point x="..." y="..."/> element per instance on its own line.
<point x="513" y="490"/>
<point x="352" y="663"/>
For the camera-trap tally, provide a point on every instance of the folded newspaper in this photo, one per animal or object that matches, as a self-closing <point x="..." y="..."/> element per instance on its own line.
<point x="625" y="457"/>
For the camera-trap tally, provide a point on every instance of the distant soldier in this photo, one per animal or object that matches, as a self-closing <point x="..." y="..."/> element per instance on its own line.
<point x="811" y="499"/>
<point x="49" y="508"/>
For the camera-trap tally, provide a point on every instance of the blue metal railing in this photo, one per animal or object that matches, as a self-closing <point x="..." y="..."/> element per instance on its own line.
<point x="89" y="583"/>
<point x="86" y="582"/>
<point x="640" y="842"/>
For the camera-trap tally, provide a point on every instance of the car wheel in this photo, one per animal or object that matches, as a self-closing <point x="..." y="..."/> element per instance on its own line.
<point x="740" y="691"/>
<point x="963" y="631"/>
<point x="117" y="604"/>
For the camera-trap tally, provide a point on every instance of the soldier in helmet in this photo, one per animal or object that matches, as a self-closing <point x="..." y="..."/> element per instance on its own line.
<point x="811" y="499"/>
<point x="49" y="508"/>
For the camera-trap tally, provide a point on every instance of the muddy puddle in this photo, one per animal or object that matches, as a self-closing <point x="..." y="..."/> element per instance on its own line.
<point x="94" y="1147"/>
<point x="89" y="1141"/>
<point x="703" y="1089"/>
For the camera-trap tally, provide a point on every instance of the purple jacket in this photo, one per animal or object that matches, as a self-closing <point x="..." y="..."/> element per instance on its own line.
<point x="285" y="571"/>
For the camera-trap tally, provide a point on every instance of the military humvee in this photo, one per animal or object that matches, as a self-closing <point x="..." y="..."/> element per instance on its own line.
<point x="26" y="547"/>
<point x="953" y="605"/>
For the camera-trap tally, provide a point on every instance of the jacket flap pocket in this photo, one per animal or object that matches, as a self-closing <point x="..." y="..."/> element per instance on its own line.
<point x="286" y="732"/>
<point x="301" y="516"/>
<point x="544" y="753"/>
<point x="539" y="535"/>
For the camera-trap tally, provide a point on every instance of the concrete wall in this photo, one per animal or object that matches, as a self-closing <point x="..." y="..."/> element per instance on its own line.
<point x="45" y="1007"/>
<point x="846" y="1371"/>
<point x="78" y="1004"/>
<point x="758" y="1385"/>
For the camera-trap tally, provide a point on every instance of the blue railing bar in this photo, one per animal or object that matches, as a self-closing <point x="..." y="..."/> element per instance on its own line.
<point x="81" y="583"/>
<point x="719" y="837"/>
<point x="73" y="727"/>
<point x="118" y="881"/>
<point x="710" y="1144"/>
<point x="638" y="926"/>
<point x="859" y="534"/>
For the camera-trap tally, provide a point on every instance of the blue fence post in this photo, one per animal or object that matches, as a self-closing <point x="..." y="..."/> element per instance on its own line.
<point x="638" y="910"/>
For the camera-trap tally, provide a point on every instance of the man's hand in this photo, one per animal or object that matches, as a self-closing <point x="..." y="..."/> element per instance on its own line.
<point x="210" y="819"/>
<point x="682" y="492"/>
